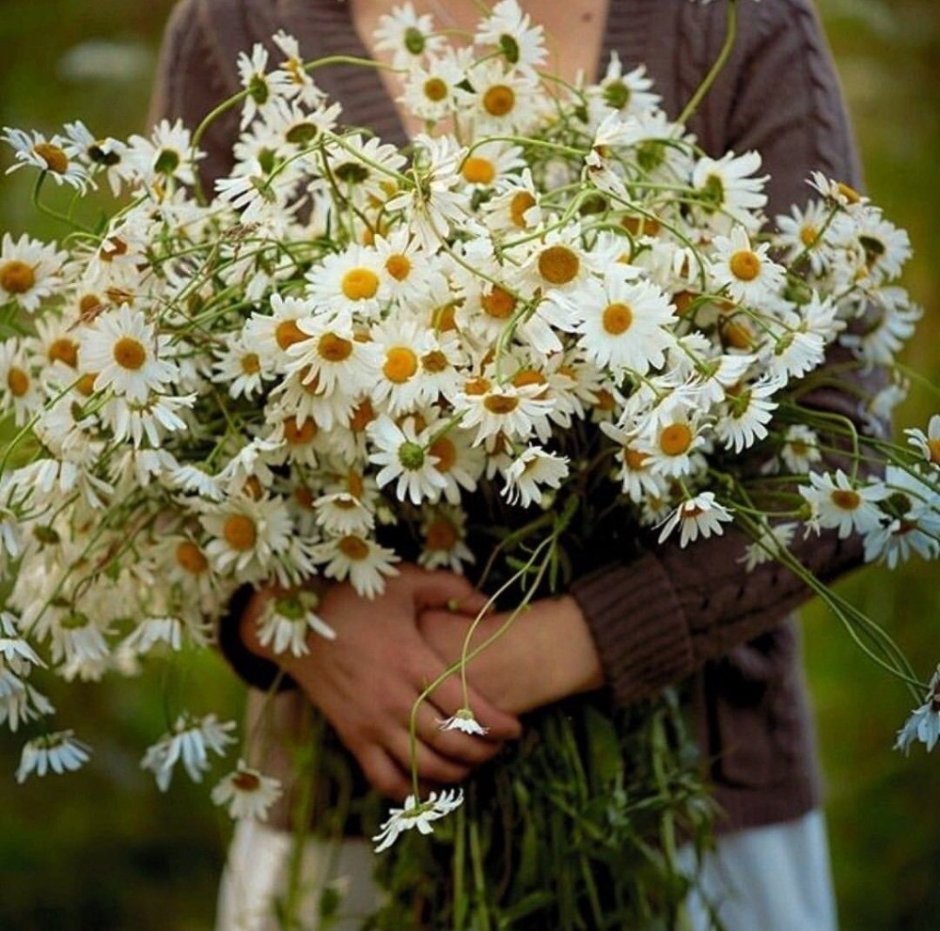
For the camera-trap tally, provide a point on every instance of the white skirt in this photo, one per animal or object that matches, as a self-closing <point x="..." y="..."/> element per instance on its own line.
<point x="774" y="878"/>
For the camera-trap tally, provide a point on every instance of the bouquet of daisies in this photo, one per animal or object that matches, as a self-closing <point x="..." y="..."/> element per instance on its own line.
<point x="344" y="346"/>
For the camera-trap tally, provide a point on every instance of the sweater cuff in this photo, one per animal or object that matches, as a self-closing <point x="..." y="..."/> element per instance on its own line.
<point x="638" y="625"/>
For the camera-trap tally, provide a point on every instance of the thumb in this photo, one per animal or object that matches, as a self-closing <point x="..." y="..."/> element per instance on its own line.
<point x="443" y="589"/>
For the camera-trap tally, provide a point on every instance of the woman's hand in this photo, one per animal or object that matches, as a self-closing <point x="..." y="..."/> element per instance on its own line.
<point x="367" y="679"/>
<point x="545" y="654"/>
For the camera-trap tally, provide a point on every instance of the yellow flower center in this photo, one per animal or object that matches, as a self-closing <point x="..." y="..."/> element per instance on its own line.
<point x="191" y="558"/>
<point x="287" y="333"/>
<point x="499" y="303"/>
<point x="252" y="488"/>
<point x="745" y="265"/>
<point x="528" y="377"/>
<point x="55" y="158"/>
<point x="64" y="350"/>
<point x="641" y="226"/>
<point x="89" y="306"/>
<point x="933" y="447"/>
<point x="16" y="277"/>
<point x="303" y="496"/>
<point x="558" y="265"/>
<point x="129" y="353"/>
<point x="849" y="193"/>
<point x="400" y="364"/>
<point x="617" y="318"/>
<point x="847" y="500"/>
<point x="334" y="348"/>
<point x="604" y="400"/>
<point x="353" y="547"/>
<point x="113" y="248"/>
<point x="250" y="363"/>
<point x="499" y="100"/>
<point x="362" y="416"/>
<point x="444" y="319"/>
<point x="477" y="386"/>
<point x="17" y="382"/>
<point x="808" y="235"/>
<point x="398" y="266"/>
<point x="360" y="284"/>
<point x="86" y="384"/>
<point x="435" y="89"/>
<point x="446" y="453"/>
<point x="675" y="439"/>
<point x="246" y="782"/>
<point x="478" y="170"/>
<point x="440" y="535"/>
<point x="518" y="206"/>
<point x="634" y="459"/>
<point x="354" y="484"/>
<point x="299" y="434"/>
<point x="434" y="362"/>
<point x="240" y="532"/>
<point x="737" y="335"/>
<point x="501" y="404"/>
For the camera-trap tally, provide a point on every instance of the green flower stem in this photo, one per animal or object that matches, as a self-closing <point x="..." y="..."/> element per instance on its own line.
<point x="48" y="211"/>
<point x="716" y="68"/>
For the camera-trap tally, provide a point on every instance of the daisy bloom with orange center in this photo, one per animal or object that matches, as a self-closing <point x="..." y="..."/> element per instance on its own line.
<point x="29" y="271"/>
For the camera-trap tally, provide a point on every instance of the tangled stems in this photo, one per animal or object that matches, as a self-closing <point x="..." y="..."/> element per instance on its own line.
<point x="720" y="62"/>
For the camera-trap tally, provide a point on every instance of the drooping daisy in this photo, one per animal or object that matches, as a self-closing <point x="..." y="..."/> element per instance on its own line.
<point x="924" y="723"/>
<point x="698" y="516"/>
<point x="837" y="193"/>
<point x="889" y="324"/>
<point x="150" y="419"/>
<point x="416" y="814"/>
<point x="532" y="470"/>
<point x="57" y="753"/>
<point x="843" y="505"/>
<point x="55" y="156"/>
<point x="247" y="792"/>
<point x="154" y="630"/>
<point x="773" y="542"/>
<point x="29" y="271"/>
<point x="745" y="271"/>
<point x="288" y="619"/>
<point x="189" y="742"/>
<point x="126" y="354"/>
<point x="341" y="513"/>
<point x="464" y="720"/>
<point x="729" y="191"/>
<point x="633" y="466"/>
<point x="360" y="559"/>
<point x="299" y="82"/>
<point x="365" y="170"/>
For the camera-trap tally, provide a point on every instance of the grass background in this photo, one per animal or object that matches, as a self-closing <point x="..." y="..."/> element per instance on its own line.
<point x="104" y="850"/>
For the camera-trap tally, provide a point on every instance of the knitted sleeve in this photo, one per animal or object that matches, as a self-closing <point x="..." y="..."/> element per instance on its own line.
<point x="660" y="618"/>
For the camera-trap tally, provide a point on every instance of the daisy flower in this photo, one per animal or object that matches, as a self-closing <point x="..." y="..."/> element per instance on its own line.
<point x="774" y="540"/>
<point x="247" y="792"/>
<point x="748" y="411"/>
<point x="443" y="532"/>
<point x="166" y="155"/>
<point x="407" y="36"/>
<point x="431" y="86"/>
<point x="406" y="268"/>
<point x="928" y="444"/>
<point x="529" y="472"/>
<point x="29" y="271"/>
<point x="464" y="720"/>
<point x="924" y="723"/>
<point x="154" y="630"/>
<point x="239" y="366"/>
<point x="124" y="352"/>
<point x="366" y="170"/>
<point x="247" y="535"/>
<point x="728" y="190"/>
<point x="272" y="335"/>
<point x="638" y="481"/>
<point x="456" y="458"/>
<point x="261" y="86"/>
<point x="671" y="441"/>
<point x="843" y="506"/>
<point x="509" y="28"/>
<point x="415" y="814"/>
<point x="57" y="753"/>
<point x="343" y="513"/>
<point x="403" y="344"/>
<point x="404" y="460"/>
<point x="55" y="156"/>
<point x="19" y="390"/>
<point x="913" y="525"/>
<point x="800" y="233"/>
<point x="889" y="324"/>
<point x="360" y="559"/>
<point x="622" y="324"/>
<point x="698" y="516"/>
<point x="501" y="100"/>
<point x="105" y="155"/>
<point x="189" y="742"/>
<point x="491" y="409"/>
<point x="288" y="619"/>
<point x="299" y="83"/>
<point x="747" y="274"/>
<point x="348" y="282"/>
<point x="151" y="419"/>
<point x="625" y="94"/>
<point x="489" y="162"/>
<point x="800" y="448"/>
<point x="514" y="205"/>
<point x="837" y="193"/>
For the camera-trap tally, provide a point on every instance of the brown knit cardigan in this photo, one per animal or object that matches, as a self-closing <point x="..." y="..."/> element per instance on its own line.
<point x="671" y="613"/>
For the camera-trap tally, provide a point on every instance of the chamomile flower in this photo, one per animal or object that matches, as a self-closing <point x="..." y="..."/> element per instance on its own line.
<point x="729" y="191"/>
<point x="638" y="481"/>
<point x="773" y="542"/>
<point x="247" y="793"/>
<point x="912" y="524"/>
<point x="698" y="516"/>
<point x="126" y="355"/>
<point x="407" y="36"/>
<point x="329" y="358"/>
<point x="360" y="559"/>
<point x="19" y="388"/>
<point x="261" y="86"/>
<point x="671" y="440"/>
<point x="923" y="725"/>
<point x="405" y="266"/>
<point x="509" y="28"/>
<point x="247" y="535"/>
<point x="188" y="743"/>
<point x="837" y="193"/>
<point x="416" y="814"/>
<point x="239" y="366"/>
<point x="272" y="335"/>
<point x="342" y="512"/>
<point x="928" y="444"/>
<point x="348" y="282"/>
<point x="464" y="720"/>
<point x="403" y="346"/>
<point x="800" y="449"/>
<point x="888" y="326"/>
<point x="489" y="162"/>
<point x="627" y="94"/>
<point x="105" y="155"/>
<point x="151" y="419"/>
<point x="532" y="471"/>
<point x="747" y="412"/>
<point x="166" y="155"/>
<point x="801" y="233"/>
<point x="431" y="86"/>
<point x="57" y="753"/>
<point x="29" y="271"/>
<point x="287" y="621"/>
<point x="491" y="409"/>
<point x="152" y="631"/>
<point x="443" y="531"/>
<point x="299" y="83"/>
<point x="459" y="462"/>
<point x="501" y="100"/>
<point x="55" y="156"/>
<point x="843" y="505"/>
<point x="746" y="272"/>
<point x="404" y="460"/>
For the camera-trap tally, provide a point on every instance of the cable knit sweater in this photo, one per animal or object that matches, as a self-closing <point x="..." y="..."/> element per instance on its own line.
<point x="670" y="613"/>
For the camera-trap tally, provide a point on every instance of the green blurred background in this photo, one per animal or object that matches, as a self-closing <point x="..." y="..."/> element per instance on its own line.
<point x="104" y="850"/>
